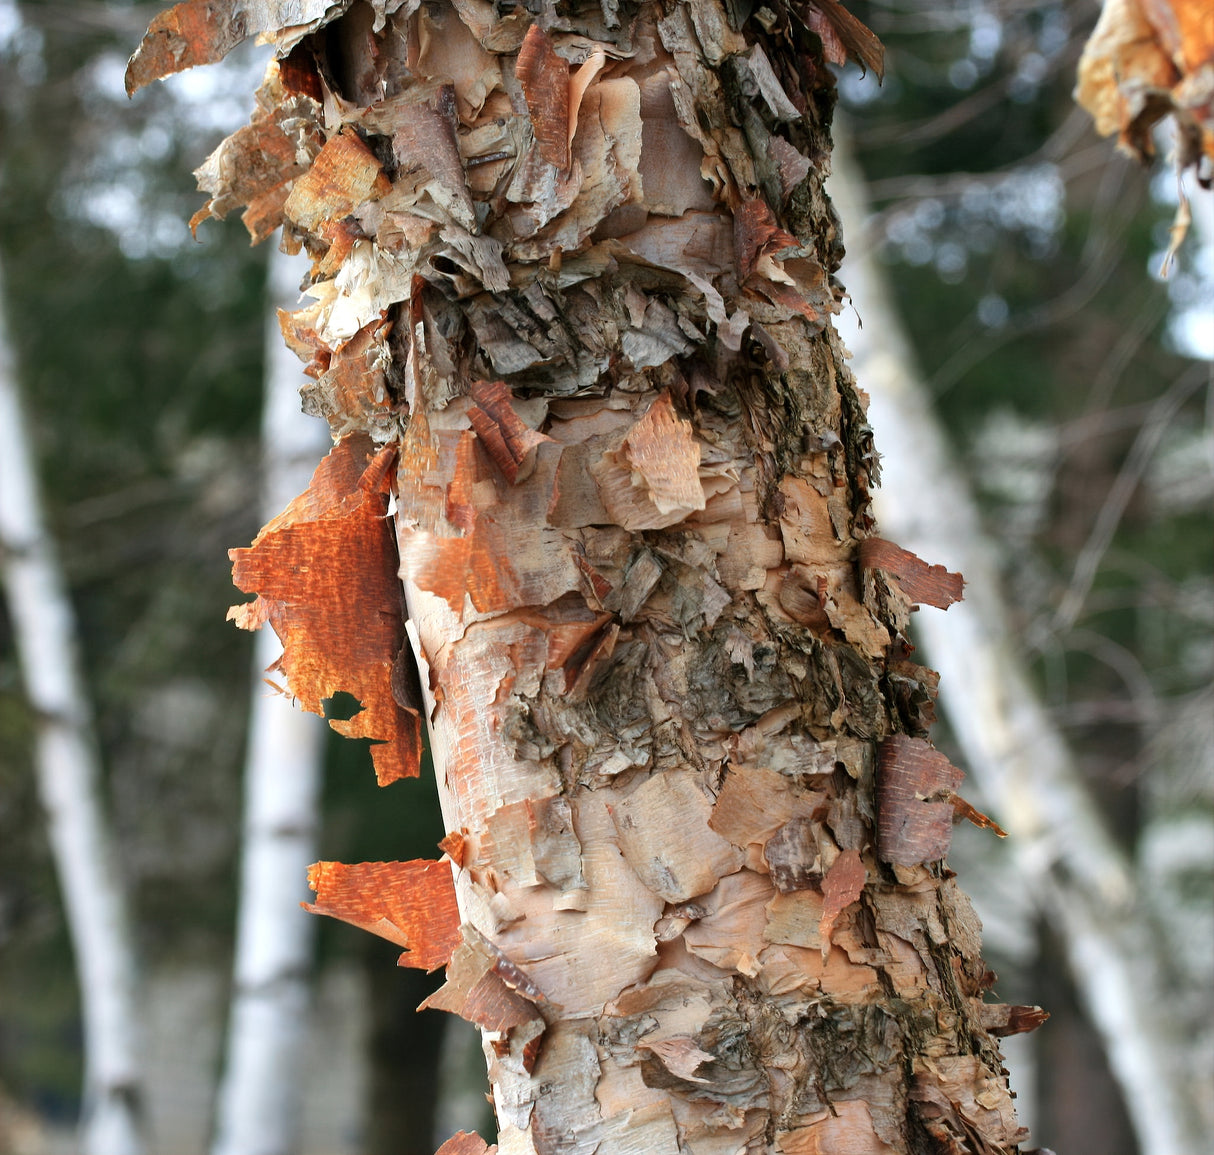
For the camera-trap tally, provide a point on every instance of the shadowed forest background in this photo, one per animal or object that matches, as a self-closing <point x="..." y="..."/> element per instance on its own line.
<point x="1023" y="255"/>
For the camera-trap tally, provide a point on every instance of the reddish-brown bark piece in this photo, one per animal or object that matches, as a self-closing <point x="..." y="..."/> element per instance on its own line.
<point x="843" y="35"/>
<point x="411" y="904"/>
<point x="544" y="77"/>
<point x="914" y="811"/>
<point x="510" y="443"/>
<point x="791" y="855"/>
<point x="756" y="234"/>
<point x="454" y="846"/>
<point x="929" y="585"/>
<point x="344" y="175"/>
<point x="466" y="1143"/>
<point x="963" y="809"/>
<point x="1002" y="1020"/>
<point x="842" y="885"/>
<point x="195" y="32"/>
<point x="324" y="571"/>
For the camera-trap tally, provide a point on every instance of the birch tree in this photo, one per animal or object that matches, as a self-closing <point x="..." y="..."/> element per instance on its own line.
<point x="259" y="1097"/>
<point x="572" y="281"/>
<point x="70" y="787"/>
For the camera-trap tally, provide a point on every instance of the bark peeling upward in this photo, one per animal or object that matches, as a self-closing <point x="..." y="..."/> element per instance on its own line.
<point x="574" y="268"/>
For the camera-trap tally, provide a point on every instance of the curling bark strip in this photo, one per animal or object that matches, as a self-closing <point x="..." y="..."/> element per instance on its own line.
<point x="578" y="281"/>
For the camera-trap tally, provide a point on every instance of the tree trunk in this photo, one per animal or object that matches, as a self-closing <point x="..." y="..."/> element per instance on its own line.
<point x="70" y="787"/>
<point x="574" y="275"/>
<point x="1074" y="872"/>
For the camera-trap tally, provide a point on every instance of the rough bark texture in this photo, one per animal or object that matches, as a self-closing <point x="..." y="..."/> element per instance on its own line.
<point x="573" y="271"/>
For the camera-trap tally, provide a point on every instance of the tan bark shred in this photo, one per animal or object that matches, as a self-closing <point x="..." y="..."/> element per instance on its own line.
<point x="343" y="176"/>
<point x="1144" y="60"/>
<point x="482" y="987"/>
<point x="257" y="165"/>
<point x="847" y="1126"/>
<point x="665" y="837"/>
<point x="961" y="1101"/>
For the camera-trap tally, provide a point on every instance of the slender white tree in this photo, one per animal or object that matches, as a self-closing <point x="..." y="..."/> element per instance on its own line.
<point x="68" y="767"/>
<point x="259" y="1108"/>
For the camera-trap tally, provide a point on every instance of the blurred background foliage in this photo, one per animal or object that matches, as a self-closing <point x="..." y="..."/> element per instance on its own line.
<point x="1024" y="255"/>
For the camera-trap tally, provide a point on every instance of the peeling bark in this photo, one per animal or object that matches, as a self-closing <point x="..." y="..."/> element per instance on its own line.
<point x="1076" y="873"/>
<point x="630" y="477"/>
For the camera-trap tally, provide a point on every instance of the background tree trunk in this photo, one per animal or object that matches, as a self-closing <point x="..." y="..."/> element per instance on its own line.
<point x="260" y="1096"/>
<point x="70" y="786"/>
<point x="1072" y="868"/>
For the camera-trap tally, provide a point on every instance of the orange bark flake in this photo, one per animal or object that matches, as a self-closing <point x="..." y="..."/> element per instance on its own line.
<point x="196" y="32"/>
<point x="324" y="571"/>
<point x="344" y="175"/>
<point x="929" y="585"/>
<point x="510" y="443"/>
<point x="544" y="77"/>
<point x="466" y="1143"/>
<point x="454" y="845"/>
<point x="842" y="886"/>
<point x="1144" y="60"/>
<point x="411" y="904"/>
<point x="963" y="809"/>
<point x="915" y="783"/>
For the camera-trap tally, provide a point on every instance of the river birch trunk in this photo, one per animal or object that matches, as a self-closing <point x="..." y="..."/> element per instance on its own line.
<point x="1073" y="872"/>
<point x="573" y="281"/>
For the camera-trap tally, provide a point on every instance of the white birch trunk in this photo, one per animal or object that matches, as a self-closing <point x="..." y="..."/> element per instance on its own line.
<point x="69" y="783"/>
<point x="259" y="1104"/>
<point x="1069" y="861"/>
